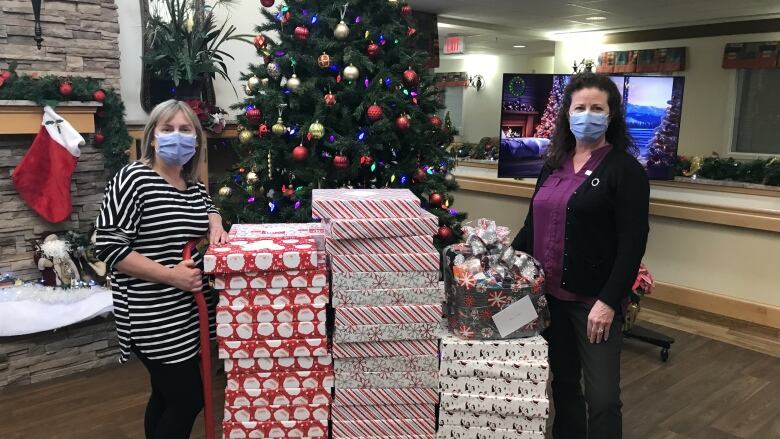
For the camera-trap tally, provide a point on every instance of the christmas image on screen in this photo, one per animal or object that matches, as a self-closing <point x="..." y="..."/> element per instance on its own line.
<point x="531" y="102"/>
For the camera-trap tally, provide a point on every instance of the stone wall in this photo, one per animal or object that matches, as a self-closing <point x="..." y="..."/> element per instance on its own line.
<point x="34" y="358"/>
<point x="80" y="38"/>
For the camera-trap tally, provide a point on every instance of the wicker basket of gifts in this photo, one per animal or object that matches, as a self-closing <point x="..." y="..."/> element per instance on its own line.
<point x="493" y="291"/>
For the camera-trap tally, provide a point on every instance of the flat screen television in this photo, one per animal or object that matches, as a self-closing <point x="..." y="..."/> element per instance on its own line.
<point x="530" y="103"/>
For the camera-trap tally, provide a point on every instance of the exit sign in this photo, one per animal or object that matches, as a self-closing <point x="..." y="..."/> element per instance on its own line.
<point x="453" y="45"/>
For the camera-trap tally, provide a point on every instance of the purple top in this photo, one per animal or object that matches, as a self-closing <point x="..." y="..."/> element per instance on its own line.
<point x="550" y="221"/>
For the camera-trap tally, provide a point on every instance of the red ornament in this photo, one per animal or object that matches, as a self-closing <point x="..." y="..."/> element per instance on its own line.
<point x="420" y="175"/>
<point x="253" y="114"/>
<point x="410" y="78"/>
<point x="288" y="192"/>
<point x="300" y="153"/>
<point x="372" y="50"/>
<point x="402" y="122"/>
<point x="66" y="89"/>
<point x="267" y="3"/>
<point x="340" y="162"/>
<point x="6" y="75"/>
<point x="435" y="199"/>
<point x="374" y="112"/>
<point x="98" y="139"/>
<point x="445" y="233"/>
<point x="260" y="41"/>
<point x="435" y="121"/>
<point x="406" y="10"/>
<point x="99" y="95"/>
<point x="286" y="17"/>
<point x="410" y="32"/>
<point x="301" y="33"/>
<point x="330" y="99"/>
<point x="366" y="160"/>
<point x="263" y="130"/>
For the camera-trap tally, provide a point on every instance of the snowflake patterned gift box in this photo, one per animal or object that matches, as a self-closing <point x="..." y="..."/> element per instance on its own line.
<point x="384" y="427"/>
<point x="456" y="432"/>
<point x="389" y="411"/>
<point x="277" y="397"/>
<point x="385" y="280"/>
<point x="271" y="313"/>
<point x="398" y="296"/>
<point x="493" y="420"/>
<point x="378" y="315"/>
<point x="410" y="363"/>
<point x="285" y="364"/>
<point x="522" y="349"/>
<point x="275" y="429"/>
<point x="369" y="228"/>
<point x="508" y="370"/>
<point x="405" y="244"/>
<point x="508" y="406"/>
<point x="360" y="203"/>
<point x="385" y="262"/>
<point x="387" y="379"/>
<point x="345" y="333"/>
<point x="385" y="348"/>
<point x="378" y="397"/>
<point x="278" y="380"/>
<point x="286" y="298"/>
<point x="263" y="280"/>
<point x="494" y="387"/>
<point x="314" y="231"/>
<point x="264" y="255"/>
<point x="277" y="331"/>
<point x="277" y="413"/>
<point x="310" y="347"/>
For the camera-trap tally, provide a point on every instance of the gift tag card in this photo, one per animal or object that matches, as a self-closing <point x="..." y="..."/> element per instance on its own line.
<point x="515" y="316"/>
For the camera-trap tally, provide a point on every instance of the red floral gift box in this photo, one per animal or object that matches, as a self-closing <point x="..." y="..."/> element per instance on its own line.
<point x="278" y="380"/>
<point x="264" y="255"/>
<point x="277" y="397"/>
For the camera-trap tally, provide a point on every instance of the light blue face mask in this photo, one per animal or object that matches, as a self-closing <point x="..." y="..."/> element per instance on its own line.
<point x="588" y="127"/>
<point x="175" y="149"/>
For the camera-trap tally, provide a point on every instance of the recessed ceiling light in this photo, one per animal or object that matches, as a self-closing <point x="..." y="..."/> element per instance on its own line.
<point x="518" y="46"/>
<point x="596" y="18"/>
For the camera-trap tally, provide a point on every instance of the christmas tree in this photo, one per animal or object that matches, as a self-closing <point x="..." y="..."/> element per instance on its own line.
<point x="545" y="127"/>
<point x="343" y="99"/>
<point x="662" y="147"/>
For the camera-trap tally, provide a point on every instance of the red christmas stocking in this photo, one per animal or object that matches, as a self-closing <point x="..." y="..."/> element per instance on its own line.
<point x="43" y="176"/>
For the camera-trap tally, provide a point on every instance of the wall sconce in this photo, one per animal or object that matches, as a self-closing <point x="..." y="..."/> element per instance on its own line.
<point x="477" y="81"/>
<point x="36" y="4"/>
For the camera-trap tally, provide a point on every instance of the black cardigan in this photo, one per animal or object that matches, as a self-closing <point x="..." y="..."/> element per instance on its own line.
<point x="606" y="229"/>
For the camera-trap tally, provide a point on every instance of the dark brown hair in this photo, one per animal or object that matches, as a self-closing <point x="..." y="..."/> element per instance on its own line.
<point x="563" y="140"/>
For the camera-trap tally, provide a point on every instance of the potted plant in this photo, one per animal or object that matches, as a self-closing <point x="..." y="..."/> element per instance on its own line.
<point x="183" y="49"/>
<point x="642" y="287"/>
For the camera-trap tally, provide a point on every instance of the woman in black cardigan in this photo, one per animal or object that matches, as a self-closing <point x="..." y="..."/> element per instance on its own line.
<point x="588" y="226"/>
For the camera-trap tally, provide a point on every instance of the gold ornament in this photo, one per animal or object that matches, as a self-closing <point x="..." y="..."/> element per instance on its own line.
<point x="351" y="73"/>
<point x="695" y="167"/>
<point x="278" y="127"/>
<point x="293" y="83"/>
<point x="316" y="130"/>
<point x="248" y="91"/>
<point x="245" y="136"/>
<point x="225" y="191"/>
<point x="341" y="32"/>
<point x="251" y="177"/>
<point x="324" y="61"/>
<point x="253" y="83"/>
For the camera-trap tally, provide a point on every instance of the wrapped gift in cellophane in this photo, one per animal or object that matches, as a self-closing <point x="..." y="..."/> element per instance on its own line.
<point x="485" y="275"/>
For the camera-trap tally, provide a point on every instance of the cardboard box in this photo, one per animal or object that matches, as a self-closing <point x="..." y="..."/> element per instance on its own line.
<point x="385" y="280"/>
<point x="286" y="364"/>
<point x="364" y="203"/>
<point x="271" y="313"/>
<point x="384" y="380"/>
<point x="405" y="244"/>
<point x="263" y="255"/>
<point x="277" y="331"/>
<point x="278" y="380"/>
<point x="385" y="262"/>
<point x="523" y="349"/>
<point x="310" y="347"/>
<point x="385" y="349"/>
<point x="456" y="432"/>
<point x="459" y="402"/>
<point x="380" y="297"/>
<point x="386" y="427"/>
<point x="383" y="315"/>
<point x="391" y="332"/>
<point x="369" y="397"/>
<point x="277" y="413"/>
<point x="277" y="297"/>
<point x="494" y="387"/>
<point x="276" y="397"/>
<point x="519" y="370"/>
<point x="262" y="280"/>
<point x="492" y="420"/>
<point x="275" y="429"/>
<point x="370" y="228"/>
<point x="412" y="363"/>
<point x="369" y="412"/>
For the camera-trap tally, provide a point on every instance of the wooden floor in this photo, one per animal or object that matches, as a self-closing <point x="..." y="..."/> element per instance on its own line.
<point x="708" y="390"/>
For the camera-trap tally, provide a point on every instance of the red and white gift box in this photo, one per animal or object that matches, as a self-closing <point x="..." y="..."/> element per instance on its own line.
<point x="275" y="429"/>
<point x="385" y="262"/>
<point x="276" y="397"/>
<point x="277" y="230"/>
<point x="492" y="420"/>
<point x="522" y="349"/>
<point x="364" y="397"/>
<point x="364" y="203"/>
<point x="385" y="280"/>
<point x="406" y="244"/>
<point x="518" y="370"/>
<point x="286" y="364"/>
<point x="457" y="432"/>
<point x="398" y="296"/>
<point x="368" y="228"/>
<point x="391" y="411"/>
<point x="280" y="297"/>
<point x="277" y="380"/>
<point x="277" y="413"/>
<point x="384" y="380"/>
<point x="502" y="405"/>
<point x="378" y="315"/>
<point x="385" y="349"/>
<point x="262" y="255"/>
<point x="271" y="313"/>
<point x="411" y="363"/>
<point x="345" y="333"/>
<point x="278" y="331"/>
<point x="310" y="347"/>
<point x="493" y="387"/>
<point x="384" y="427"/>
<point x="261" y="280"/>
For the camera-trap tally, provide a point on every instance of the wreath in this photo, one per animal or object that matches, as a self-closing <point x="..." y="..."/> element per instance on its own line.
<point x="516" y="86"/>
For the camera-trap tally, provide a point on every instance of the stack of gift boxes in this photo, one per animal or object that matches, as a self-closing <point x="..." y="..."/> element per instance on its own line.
<point x="388" y="306"/>
<point x="271" y="330"/>
<point x="493" y="389"/>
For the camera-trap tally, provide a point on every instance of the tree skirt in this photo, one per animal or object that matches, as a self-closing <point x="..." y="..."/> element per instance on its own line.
<point x="30" y="309"/>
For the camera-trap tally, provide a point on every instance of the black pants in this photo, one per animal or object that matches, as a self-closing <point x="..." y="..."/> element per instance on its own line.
<point x="176" y="399"/>
<point x="597" y="413"/>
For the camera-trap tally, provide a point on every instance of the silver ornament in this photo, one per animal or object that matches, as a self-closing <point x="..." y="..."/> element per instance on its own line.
<point x="351" y="73"/>
<point x="273" y="70"/>
<point x="293" y="83"/>
<point x="449" y="178"/>
<point x="341" y="32"/>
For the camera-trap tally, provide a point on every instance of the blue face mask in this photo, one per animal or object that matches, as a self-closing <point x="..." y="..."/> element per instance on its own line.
<point x="175" y="149"/>
<point x="588" y="127"/>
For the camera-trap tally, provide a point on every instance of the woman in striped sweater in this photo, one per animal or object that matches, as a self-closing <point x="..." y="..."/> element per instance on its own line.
<point x="151" y="209"/>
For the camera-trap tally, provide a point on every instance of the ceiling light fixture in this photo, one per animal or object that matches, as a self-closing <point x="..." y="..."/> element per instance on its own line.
<point x="518" y="46"/>
<point x="596" y="18"/>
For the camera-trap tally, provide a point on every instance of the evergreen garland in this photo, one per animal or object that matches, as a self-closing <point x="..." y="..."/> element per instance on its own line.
<point x="759" y="171"/>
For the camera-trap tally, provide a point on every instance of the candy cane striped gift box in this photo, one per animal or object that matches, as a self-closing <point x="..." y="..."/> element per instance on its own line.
<point x="356" y="203"/>
<point x="385" y="349"/>
<point x="397" y="296"/>
<point x="378" y="315"/>
<point x="385" y="262"/>
<point x="368" y="228"/>
<point x="375" y="412"/>
<point x="385" y="427"/>
<point x="406" y="244"/>
<point x="376" y="397"/>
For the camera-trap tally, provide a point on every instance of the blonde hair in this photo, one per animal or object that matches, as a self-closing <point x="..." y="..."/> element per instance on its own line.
<point x="162" y="113"/>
